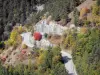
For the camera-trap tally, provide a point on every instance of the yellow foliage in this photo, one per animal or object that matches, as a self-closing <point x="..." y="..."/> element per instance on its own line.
<point x="20" y="29"/>
<point x="15" y="38"/>
<point x="12" y="40"/>
<point x="83" y="11"/>
<point x="40" y="59"/>
<point x="83" y="30"/>
<point x="69" y="42"/>
<point x="98" y="24"/>
<point x="43" y="17"/>
<point x="96" y="19"/>
<point x="56" y="59"/>
<point x="95" y="9"/>
<point x="19" y="39"/>
<point x="42" y="49"/>
<point x="24" y="46"/>
<point x="13" y="35"/>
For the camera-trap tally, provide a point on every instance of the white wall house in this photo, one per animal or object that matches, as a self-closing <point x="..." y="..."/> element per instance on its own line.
<point x="52" y="27"/>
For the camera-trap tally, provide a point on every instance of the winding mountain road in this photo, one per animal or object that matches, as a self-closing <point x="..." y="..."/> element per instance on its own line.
<point x="69" y="65"/>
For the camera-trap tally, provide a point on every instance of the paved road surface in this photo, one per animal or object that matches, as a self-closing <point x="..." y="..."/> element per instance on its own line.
<point x="69" y="65"/>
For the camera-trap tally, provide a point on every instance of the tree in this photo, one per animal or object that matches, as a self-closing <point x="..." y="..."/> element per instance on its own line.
<point x="5" y="35"/>
<point x="59" y="70"/>
<point x="95" y="10"/>
<point x="72" y="4"/>
<point x="87" y="51"/>
<point x="98" y="2"/>
<point x="23" y="11"/>
<point x="76" y="16"/>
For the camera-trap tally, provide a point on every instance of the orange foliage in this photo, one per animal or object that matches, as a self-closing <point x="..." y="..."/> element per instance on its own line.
<point x="83" y="30"/>
<point x="84" y="11"/>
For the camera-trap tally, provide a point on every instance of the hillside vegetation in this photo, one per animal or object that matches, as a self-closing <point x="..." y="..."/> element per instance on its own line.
<point x="48" y="62"/>
<point x="18" y="11"/>
<point x="86" y="52"/>
<point x="84" y="43"/>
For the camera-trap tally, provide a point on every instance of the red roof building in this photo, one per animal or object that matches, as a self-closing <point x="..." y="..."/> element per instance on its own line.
<point x="37" y="36"/>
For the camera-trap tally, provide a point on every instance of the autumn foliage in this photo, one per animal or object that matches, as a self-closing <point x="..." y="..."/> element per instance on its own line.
<point x="83" y="11"/>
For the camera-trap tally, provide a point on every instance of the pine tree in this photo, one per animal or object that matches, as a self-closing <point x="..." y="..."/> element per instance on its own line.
<point x="98" y="2"/>
<point x="76" y="16"/>
<point x="23" y="11"/>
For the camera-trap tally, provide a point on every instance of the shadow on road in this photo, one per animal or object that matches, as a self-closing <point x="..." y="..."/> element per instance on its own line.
<point x="65" y="59"/>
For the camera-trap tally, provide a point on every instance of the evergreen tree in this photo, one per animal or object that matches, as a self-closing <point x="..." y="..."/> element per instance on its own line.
<point x="59" y="70"/>
<point x="76" y="16"/>
<point x="98" y="2"/>
<point x="23" y="11"/>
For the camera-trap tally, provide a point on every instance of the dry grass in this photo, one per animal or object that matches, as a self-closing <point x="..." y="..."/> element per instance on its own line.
<point x="55" y="39"/>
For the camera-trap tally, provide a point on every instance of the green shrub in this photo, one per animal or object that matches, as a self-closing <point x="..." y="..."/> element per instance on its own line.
<point x="15" y="38"/>
<point x="24" y="46"/>
<point x="98" y="2"/>
<point x="12" y="40"/>
<point x="95" y="10"/>
<point x="86" y="53"/>
<point x="69" y="41"/>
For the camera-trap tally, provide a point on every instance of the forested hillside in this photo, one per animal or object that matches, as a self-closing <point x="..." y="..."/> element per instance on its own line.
<point x="81" y="39"/>
<point x="14" y="11"/>
<point x="48" y="62"/>
<point x="85" y="44"/>
<point x="17" y="11"/>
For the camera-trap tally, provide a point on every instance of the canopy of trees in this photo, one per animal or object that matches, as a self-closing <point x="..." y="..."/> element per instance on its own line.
<point x="85" y="50"/>
<point x="48" y="62"/>
<point x="17" y="11"/>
